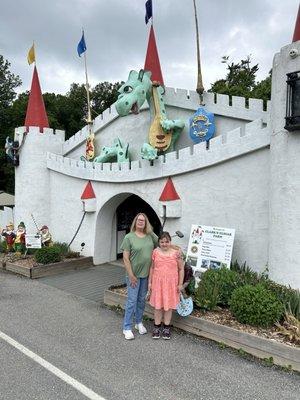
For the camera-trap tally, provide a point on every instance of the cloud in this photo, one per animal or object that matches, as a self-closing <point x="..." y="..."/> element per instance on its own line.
<point x="117" y="36"/>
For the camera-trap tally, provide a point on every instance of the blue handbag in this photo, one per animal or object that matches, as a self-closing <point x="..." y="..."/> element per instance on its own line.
<point x="185" y="306"/>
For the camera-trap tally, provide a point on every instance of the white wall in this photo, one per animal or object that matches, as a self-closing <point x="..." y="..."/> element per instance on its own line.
<point x="285" y="178"/>
<point x="245" y="180"/>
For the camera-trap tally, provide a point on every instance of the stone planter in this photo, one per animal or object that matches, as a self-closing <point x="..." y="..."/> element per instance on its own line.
<point x="50" y="269"/>
<point x="282" y="354"/>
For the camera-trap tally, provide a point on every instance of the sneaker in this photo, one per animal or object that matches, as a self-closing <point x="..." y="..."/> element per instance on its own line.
<point x="166" y="334"/>
<point x="140" y="327"/>
<point x="128" y="334"/>
<point x="156" y="332"/>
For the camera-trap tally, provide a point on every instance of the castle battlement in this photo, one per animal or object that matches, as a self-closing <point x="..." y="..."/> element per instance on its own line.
<point x="221" y="148"/>
<point x="218" y="104"/>
<point x="54" y="135"/>
<point x="109" y="115"/>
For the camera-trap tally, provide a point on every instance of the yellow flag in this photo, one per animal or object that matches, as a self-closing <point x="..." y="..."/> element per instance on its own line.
<point x="31" y="55"/>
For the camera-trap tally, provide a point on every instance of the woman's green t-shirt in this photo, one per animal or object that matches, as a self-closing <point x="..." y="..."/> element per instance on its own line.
<point x="140" y="249"/>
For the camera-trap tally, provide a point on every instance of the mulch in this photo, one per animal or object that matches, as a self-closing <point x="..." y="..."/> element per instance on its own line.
<point x="223" y="316"/>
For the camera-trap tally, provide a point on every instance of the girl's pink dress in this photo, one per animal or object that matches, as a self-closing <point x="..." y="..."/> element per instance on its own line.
<point x="164" y="287"/>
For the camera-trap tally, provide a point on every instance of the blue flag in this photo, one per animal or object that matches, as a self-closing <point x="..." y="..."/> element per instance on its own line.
<point x="148" y="10"/>
<point x="81" y="47"/>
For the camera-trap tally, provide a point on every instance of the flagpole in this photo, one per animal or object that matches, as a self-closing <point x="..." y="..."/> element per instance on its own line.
<point x="89" y="150"/>
<point x="34" y="54"/>
<point x="89" y="117"/>
<point x="200" y="88"/>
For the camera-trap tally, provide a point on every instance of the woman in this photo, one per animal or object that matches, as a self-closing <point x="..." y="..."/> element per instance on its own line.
<point x="137" y="248"/>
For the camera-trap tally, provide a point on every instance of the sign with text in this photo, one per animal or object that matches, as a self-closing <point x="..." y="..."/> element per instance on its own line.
<point x="33" y="241"/>
<point x="210" y="247"/>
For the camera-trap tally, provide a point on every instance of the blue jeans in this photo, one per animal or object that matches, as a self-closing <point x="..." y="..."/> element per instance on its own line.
<point x="135" y="302"/>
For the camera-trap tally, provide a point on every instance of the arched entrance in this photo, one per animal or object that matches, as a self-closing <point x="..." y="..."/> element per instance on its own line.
<point x="125" y="213"/>
<point x="113" y="222"/>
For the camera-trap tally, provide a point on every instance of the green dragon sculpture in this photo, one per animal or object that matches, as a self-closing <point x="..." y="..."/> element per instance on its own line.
<point x="116" y="153"/>
<point x="163" y="132"/>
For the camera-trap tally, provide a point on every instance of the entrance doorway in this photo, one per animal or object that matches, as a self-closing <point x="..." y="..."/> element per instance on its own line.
<point x="126" y="212"/>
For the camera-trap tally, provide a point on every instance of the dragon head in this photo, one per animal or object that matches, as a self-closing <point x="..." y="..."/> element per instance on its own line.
<point x="134" y="92"/>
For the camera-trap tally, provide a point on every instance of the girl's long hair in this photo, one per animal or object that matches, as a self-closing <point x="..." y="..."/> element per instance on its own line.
<point x="148" y="227"/>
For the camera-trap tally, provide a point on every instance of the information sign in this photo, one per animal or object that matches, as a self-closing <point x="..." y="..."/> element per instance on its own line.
<point x="33" y="241"/>
<point x="210" y="247"/>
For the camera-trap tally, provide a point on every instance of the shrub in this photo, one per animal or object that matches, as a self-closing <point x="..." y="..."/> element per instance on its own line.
<point x="224" y="280"/>
<point x="256" y="305"/>
<point x="290" y="298"/>
<point x="227" y="281"/>
<point x="207" y="296"/>
<point x="191" y="287"/>
<point x="62" y="247"/>
<point x="247" y="275"/>
<point x="72" y="254"/>
<point x="48" y="255"/>
<point x="281" y="292"/>
<point x="2" y="246"/>
<point x="290" y="328"/>
<point x="293" y="304"/>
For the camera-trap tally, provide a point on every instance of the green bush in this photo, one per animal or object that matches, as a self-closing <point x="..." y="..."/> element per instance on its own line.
<point x="2" y="246"/>
<point x="48" y="255"/>
<point x="191" y="287"/>
<point x="207" y="296"/>
<point x="256" y="305"/>
<point x="223" y="281"/>
<point x="72" y="254"/>
<point x="62" y="247"/>
<point x="282" y="292"/>
<point x="227" y="281"/>
<point x="247" y="275"/>
<point x="293" y="304"/>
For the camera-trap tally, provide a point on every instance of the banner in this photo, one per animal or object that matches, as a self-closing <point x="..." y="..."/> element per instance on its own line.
<point x="209" y="247"/>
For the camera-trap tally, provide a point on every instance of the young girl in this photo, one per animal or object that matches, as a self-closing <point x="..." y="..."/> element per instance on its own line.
<point x="165" y="284"/>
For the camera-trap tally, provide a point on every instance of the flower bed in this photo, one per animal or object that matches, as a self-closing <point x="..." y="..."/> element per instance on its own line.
<point x="224" y="317"/>
<point x="222" y="327"/>
<point x="30" y="268"/>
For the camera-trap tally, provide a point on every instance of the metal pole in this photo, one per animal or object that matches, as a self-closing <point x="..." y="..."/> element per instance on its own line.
<point x="200" y="87"/>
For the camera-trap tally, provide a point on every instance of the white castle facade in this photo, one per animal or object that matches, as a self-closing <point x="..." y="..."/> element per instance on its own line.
<point x="248" y="179"/>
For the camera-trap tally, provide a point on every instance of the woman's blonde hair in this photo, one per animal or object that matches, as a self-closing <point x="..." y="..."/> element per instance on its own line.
<point x="148" y="227"/>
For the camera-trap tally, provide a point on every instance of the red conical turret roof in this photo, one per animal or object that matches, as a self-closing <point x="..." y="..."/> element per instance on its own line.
<point x="152" y="59"/>
<point x="36" y="113"/>
<point x="169" y="193"/>
<point x="88" y="192"/>
<point x="296" y="36"/>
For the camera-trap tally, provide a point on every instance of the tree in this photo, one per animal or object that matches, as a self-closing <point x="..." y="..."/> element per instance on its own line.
<point x="104" y="95"/>
<point x="8" y="83"/>
<point x="262" y="89"/>
<point x="241" y="81"/>
<point x="67" y="112"/>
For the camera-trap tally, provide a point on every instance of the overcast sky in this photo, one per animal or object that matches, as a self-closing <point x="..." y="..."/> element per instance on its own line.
<point x="116" y="37"/>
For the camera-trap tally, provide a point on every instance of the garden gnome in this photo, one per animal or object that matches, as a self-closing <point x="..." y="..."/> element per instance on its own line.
<point x="20" y="238"/>
<point x="46" y="236"/>
<point x="9" y="236"/>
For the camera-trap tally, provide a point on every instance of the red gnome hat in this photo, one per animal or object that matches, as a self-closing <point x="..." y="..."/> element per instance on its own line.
<point x="36" y="112"/>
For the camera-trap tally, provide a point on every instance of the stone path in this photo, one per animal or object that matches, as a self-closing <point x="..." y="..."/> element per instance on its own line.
<point x="88" y="283"/>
